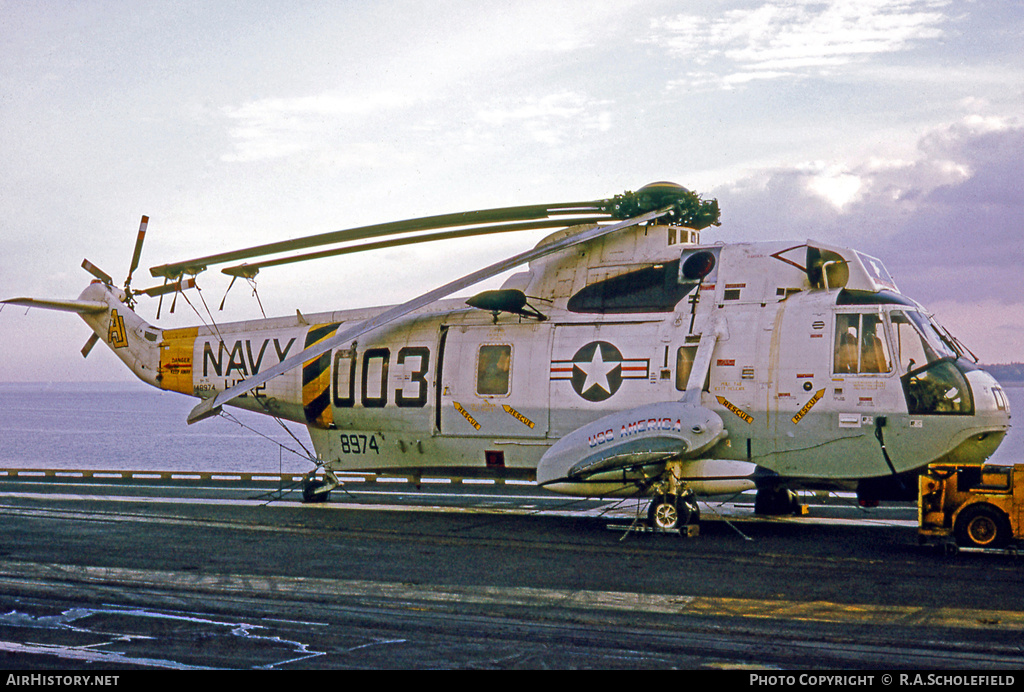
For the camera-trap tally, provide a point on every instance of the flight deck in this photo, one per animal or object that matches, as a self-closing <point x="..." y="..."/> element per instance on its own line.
<point x="209" y="571"/>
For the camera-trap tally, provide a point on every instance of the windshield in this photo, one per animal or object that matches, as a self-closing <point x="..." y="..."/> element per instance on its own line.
<point x="918" y="342"/>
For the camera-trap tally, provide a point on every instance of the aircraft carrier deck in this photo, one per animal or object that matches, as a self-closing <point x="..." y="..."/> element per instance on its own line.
<point x="225" y="571"/>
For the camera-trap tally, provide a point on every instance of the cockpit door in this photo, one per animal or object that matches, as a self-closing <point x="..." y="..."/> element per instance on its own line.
<point x="835" y="376"/>
<point x="864" y="382"/>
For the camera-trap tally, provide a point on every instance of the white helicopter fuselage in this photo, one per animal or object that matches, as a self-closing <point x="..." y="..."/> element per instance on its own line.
<point x="815" y="369"/>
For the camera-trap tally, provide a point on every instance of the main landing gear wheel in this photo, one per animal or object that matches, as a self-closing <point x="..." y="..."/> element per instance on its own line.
<point x="982" y="526"/>
<point x="771" y="501"/>
<point x="668" y="512"/>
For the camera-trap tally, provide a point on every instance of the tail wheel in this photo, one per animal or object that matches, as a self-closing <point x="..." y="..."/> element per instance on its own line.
<point x="982" y="526"/>
<point x="312" y="493"/>
<point x="668" y="512"/>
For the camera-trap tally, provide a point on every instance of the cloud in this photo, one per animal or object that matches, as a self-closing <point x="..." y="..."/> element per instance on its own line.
<point x="279" y="127"/>
<point x="946" y="224"/>
<point x="365" y="130"/>
<point x="550" y="119"/>
<point x="783" y="39"/>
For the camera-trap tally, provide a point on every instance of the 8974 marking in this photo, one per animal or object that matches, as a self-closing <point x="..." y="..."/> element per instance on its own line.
<point x="355" y="443"/>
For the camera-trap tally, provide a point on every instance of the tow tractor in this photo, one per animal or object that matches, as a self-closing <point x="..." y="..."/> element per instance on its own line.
<point x="979" y="506"/>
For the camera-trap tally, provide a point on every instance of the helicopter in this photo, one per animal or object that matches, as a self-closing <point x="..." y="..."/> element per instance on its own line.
<point x="623" y="358"/>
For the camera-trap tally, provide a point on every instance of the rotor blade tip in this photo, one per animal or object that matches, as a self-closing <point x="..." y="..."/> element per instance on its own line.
<point x="205" y="409"/>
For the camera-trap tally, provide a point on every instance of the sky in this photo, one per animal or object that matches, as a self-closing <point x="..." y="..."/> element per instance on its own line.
<point x="892" y="126"/>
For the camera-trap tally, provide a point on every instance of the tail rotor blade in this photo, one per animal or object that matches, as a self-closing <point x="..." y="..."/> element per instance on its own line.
<point x="97" y="272"/>
<point x="89" y="344"/>
<point x="138" y="249"/>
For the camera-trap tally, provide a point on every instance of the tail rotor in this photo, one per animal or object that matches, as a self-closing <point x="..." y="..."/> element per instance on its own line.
<point x="130" y="293"/>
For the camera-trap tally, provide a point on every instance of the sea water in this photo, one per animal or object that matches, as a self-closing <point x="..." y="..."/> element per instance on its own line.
<point x="132" y="427"/>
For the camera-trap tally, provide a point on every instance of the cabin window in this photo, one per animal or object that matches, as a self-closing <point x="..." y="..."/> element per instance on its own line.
<point x="493" y="369"/>
<point x="681" y="235"/>
<point x="651" y="289"/>
<point x="860" y="345"/>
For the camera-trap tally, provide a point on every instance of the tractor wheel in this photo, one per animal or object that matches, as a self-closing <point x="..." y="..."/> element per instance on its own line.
<point x="982" y="526"/>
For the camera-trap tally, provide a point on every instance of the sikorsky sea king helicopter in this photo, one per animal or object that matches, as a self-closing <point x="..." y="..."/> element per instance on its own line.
<point x="626" y="359"/>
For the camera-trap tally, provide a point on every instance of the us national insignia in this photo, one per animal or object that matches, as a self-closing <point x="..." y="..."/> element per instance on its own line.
<point x="598" y="369"/>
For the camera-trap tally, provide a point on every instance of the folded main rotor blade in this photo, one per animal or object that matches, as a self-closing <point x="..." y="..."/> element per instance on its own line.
<point x="502" y="215"/>
<point x="210" y="407"/>
<point x="250" y="269"/>
<point x="169" y="288"/>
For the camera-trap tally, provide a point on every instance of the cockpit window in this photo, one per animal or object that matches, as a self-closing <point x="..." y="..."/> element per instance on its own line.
<point x="938" y="389"/>
<point x="917" y="341"/>
<point x="861" y="345"/>
<point x="933" y="383"/>
<point x="877" y="271"/>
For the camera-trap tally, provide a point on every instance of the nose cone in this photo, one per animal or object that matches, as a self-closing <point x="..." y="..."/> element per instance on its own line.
<point x="989" y="398"/>
<point x="991" y="419"/>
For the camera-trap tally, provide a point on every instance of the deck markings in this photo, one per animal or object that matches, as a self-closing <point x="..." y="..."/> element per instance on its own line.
<point x="320" y="589"/>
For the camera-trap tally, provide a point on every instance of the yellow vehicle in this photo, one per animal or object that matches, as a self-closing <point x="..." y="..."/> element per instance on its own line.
<point x="979" y="505"/>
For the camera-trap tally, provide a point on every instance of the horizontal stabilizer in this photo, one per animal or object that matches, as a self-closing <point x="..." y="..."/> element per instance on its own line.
<point x="82" y="307"/>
